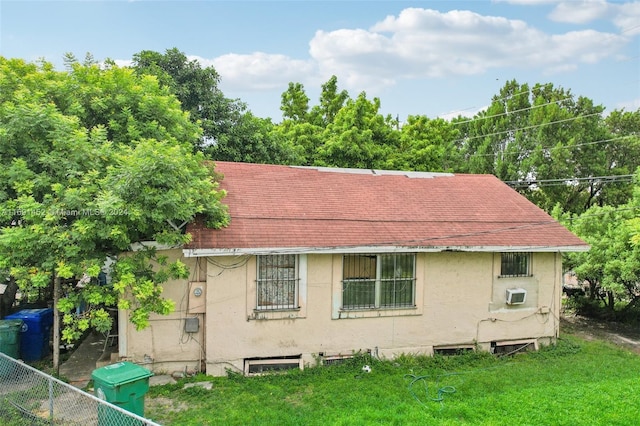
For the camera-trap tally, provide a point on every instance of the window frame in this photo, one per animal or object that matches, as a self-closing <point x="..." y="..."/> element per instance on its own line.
<point x="260" y="281"/>
<point x="512" y="267"/>
<point x="378" y="283"/>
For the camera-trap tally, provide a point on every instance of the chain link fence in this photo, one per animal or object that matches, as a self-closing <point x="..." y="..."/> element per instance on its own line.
<point x="30" y="397"/>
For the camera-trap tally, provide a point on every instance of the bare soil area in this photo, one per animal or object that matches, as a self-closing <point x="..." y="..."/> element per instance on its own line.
<point x="623" y="335"/>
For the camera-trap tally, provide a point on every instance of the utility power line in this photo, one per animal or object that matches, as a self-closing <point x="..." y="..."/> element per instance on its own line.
<point x="529" y="151"/>
<point x="527" y="127"/>
<point x="511" y="112"/>
<point x="565" y="181"/>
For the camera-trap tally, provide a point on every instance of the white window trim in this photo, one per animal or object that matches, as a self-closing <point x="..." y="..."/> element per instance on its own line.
<point x="387" y="311"/>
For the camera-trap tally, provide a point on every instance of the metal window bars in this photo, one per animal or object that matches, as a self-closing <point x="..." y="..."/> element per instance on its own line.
<point x="373" y="281"/>
<point x="515" y="264"/>
<point x="277" y="282"/>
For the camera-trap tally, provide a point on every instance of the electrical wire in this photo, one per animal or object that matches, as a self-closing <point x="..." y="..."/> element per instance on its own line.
<point x="493" y="100"/>
<point x="240" y="263"/>
<point x="564" y="120"/>
<point x="475" y="119"/>
<point x="526" y="152"/>
<point x="563" y="181"/>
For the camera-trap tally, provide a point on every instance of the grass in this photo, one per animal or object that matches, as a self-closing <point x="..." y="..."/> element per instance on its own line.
<point x="575" y="382"/>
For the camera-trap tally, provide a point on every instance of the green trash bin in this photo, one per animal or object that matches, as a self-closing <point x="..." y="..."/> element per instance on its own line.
<point x="10" y="331"/>
<point x="123" y="384"/>
<point x="10" y="337"/>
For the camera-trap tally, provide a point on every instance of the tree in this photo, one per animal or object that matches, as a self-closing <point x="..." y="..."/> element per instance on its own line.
<point x="91" y="161"/>
<point x="331" y="102"/>
<point x="358" y="137"/>
<point x="622" y="152"/>
<point x="426" y="145"/>
<point x="254" y="140"/>
<point x="304" y="138"/>
<point x="196" y="88"/>
<point x="551" y="146"/>
<point x="489" y="141"/>
<point x="230" y="132"/>
<point x="295" y="103"/>
<point x="612" y="265"/>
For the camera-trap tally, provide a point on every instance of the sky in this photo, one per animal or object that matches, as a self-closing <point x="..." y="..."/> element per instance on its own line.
<point x="433" y="58"/>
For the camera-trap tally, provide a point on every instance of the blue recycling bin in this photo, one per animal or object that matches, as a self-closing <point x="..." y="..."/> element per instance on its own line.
<point x="35" y="332"/>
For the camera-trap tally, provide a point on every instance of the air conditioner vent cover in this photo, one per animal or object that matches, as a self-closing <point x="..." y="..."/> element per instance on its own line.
<point x="516" y="296"/>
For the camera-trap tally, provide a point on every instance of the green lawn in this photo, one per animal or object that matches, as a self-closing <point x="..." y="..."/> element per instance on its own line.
<point x="574" y="383"/>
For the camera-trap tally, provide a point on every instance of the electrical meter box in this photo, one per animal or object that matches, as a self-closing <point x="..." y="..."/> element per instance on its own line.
<point x="197" y="297"/>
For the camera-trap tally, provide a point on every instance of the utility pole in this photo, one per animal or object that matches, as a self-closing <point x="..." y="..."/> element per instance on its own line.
<point x="56" y="324"/>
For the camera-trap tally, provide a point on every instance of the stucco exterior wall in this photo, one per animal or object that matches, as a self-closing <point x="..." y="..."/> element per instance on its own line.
<point x="460" y="301"/>
<point x="165" y="346"/>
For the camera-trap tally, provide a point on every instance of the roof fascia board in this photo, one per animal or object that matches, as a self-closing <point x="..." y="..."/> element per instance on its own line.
<point x="376" y="249"/>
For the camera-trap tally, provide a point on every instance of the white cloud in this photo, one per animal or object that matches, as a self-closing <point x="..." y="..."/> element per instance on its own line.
<point x="580" y="12"/>
<point x="423" y="43"/>
<point x="427" y="43"/>
<point x="627" y="18"/>
<point x="587" y="46"/>
<point x="257" y="71"/>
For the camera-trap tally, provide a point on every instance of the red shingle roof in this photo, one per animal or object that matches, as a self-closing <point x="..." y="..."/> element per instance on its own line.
<point x="283" y="207"/>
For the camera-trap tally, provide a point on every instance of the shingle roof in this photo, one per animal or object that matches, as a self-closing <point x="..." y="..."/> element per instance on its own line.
<point x="321" y="209"/>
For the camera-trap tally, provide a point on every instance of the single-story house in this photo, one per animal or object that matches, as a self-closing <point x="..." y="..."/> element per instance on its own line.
<point x="321" y="263"/>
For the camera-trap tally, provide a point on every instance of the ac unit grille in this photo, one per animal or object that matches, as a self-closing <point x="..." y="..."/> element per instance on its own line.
<point x="516" y="296"/>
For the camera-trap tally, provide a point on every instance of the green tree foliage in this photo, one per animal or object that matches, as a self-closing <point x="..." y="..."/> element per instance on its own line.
<point x="304" y="137"/>
<point x="339" y="131"/>
<point x="489" y="140"/>
<point x="254" y="140"/>
<point x="229" y="131"/>
<point x="612" y="265"/>
<point x="427" y="145"/>
<point x="331" y="102"/>
<point x="300" y="126"/>
<point x="552" y="146"/>
<point x="295" y="103"/>
<point x="195" y="87"/>
<point x="622" y="153"/>
<point x="91" y="161"/>
<point x="358" y="137"/>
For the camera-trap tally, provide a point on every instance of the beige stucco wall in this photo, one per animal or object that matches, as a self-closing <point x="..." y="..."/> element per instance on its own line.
<point x="459" y="297"/>
<point x="164" y="346"/>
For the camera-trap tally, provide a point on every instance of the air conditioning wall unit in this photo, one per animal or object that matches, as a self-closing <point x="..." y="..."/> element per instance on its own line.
<point x="516" y="296"/>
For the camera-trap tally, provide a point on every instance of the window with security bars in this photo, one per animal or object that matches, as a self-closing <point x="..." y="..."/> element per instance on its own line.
<point x="277" y="283"/>
<point x="515" y="264"/>
<point x="372" y="281"/>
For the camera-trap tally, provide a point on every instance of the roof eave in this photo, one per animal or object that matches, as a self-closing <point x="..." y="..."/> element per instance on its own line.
<point x="206" y="252"/>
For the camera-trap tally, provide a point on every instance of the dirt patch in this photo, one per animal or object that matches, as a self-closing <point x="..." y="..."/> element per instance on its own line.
<point x="623" y="335"/>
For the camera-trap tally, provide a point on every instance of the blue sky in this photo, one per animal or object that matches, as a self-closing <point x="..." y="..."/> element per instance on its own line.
<point x="433" y="58"/>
